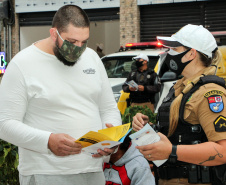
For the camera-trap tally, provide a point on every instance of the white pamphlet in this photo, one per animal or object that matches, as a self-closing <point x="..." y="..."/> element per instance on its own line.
<point x="132" y="84"/>
<point x="146" y="136"/>
<point x="92" y="149"/>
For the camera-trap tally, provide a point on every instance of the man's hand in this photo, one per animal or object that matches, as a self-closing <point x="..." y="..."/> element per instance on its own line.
<point x="140" y="88"/>
<point x="106" y="151"/>
<point x="63" y="145"/>
<point x="132" y="88"/>
<point x="109" y="125"/>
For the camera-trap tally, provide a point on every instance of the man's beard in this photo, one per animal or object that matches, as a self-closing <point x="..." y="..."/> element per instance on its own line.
<point x="60" y="57"/>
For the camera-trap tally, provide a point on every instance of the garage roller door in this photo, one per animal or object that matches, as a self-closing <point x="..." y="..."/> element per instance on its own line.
<point x="166" y="19"/>
<point x="45" y="18"/>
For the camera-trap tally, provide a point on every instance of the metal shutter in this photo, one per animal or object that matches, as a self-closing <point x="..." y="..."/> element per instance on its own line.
<point x="215" y="16"/>
<point x="166" y="19"/>
<point x="45" y="18"/>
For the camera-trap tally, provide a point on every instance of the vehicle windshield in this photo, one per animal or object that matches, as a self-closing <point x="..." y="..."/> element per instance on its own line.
<point x="120" y="67"/>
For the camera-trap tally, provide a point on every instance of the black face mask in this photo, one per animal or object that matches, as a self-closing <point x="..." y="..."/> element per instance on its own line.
<point x="174" y="62"/>
<point x="139" y="64"/>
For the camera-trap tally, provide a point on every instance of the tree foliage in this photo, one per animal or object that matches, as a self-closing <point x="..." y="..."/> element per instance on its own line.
<point x="8" y="164"/>
<point x="127" y="117"/>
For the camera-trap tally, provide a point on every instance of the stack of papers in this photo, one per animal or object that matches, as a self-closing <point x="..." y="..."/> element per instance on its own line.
<point x="105" y="138"/>
<point x="146" y="136"/>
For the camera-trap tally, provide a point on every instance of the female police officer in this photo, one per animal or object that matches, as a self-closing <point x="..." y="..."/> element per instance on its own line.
<point x="192" y="115"/>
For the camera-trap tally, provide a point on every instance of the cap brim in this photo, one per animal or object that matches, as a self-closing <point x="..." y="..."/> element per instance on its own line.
<point x="134" y="58"/>
<point x="169" y="42"/>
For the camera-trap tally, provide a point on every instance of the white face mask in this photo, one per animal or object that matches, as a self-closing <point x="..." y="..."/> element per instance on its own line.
<point x="172" y="52"/>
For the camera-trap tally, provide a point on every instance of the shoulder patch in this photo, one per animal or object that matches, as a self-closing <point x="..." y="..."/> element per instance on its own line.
<point x="220" y="124"/>
<point x="215" y="101"/>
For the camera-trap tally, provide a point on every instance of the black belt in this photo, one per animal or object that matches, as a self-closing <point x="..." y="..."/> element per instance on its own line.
<point x="167" y="172"/>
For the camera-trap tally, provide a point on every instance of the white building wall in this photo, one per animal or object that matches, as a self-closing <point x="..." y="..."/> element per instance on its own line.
<point x="31" y="34"/>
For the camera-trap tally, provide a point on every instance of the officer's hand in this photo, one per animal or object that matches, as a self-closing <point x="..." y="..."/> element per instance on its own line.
<point x="63" y="145"/>
<point x="157" y="151"/>
<point x="132" y="88"/>
<point x="139" y="120"/>
<point x="106" y="151"/>
<point x="140" y="88"/>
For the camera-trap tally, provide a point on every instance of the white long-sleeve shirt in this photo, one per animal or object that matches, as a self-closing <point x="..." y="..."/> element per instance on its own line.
<point x="39" y="95"/>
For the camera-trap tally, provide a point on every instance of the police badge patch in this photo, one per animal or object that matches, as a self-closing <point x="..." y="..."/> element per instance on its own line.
<point x="215" y="100"/>
<point x="220" y="124"/>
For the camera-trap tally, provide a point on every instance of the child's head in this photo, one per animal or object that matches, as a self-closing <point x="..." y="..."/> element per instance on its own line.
<point x="126" y="143"/>
<point x="123" y="147"/>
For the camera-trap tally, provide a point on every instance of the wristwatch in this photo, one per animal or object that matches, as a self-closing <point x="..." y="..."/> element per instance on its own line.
<point x="173" y="155"/>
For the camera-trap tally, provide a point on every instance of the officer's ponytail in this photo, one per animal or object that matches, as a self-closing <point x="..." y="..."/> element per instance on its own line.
<point x="175" y="106"/>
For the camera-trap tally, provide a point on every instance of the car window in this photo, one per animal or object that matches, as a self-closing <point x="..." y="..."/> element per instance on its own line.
<point x="120" y="67"/>
<point x="110" y="66"/>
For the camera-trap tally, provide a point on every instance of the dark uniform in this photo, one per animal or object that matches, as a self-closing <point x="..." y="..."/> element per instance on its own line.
<point x="101" y="54"/>
<point x="202" y="118"/>
<point x="148" y="79"/>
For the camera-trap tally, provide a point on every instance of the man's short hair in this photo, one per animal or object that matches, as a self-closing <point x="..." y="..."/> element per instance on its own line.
<point x="70" y="14"/>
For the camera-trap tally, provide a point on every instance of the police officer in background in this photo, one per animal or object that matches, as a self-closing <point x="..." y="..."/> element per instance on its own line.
<point x="148" y="83"/>
<point x="192" y="118"/>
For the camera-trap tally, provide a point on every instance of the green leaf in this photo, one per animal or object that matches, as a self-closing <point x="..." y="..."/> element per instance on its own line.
<point x="6" y="151"/>
<point x="16" y="162"/>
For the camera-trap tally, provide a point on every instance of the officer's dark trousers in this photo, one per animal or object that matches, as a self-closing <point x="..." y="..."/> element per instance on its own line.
<point x="149" y="105"/>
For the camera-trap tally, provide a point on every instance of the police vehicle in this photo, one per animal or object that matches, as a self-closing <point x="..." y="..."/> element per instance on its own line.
<point x="221" y="69"/>
<point x="118" y="65"/>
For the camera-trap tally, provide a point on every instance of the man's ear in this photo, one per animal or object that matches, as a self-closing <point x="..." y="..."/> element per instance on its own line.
<point x="53" y="34"/>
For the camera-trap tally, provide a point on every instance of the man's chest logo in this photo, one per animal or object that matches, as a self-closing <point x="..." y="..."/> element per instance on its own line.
<point x="89" y="71"/>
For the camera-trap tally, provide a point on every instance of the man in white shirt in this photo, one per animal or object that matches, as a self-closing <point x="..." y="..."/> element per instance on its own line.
<point x="52" y="93"/>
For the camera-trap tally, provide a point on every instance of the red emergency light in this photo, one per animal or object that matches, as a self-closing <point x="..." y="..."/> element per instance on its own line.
<point x="143" y="45"/>
<point x="159" y="44"/>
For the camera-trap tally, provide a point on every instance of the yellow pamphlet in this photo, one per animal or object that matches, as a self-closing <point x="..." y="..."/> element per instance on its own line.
<point x="105" y="138"/>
